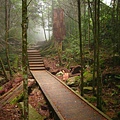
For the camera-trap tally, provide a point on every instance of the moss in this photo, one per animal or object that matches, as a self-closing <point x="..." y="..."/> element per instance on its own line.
<point x="87" y="89"/>
<point x="21" y="109"/>
<point x="1" y="88"/>
<point x="88" y="76"/>
<point x="16" y="62"/>
<point x="118" y="86"/>
<point x="17" y="99"/>
<point x="33" y="114"/>
<point x="118" y="114"/>
<point x="91" y="99"/>
<point x="73" y="81"/>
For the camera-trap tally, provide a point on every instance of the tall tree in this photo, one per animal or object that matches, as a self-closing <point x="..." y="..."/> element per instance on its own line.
<point x="3" y="68"/>
<point x="118" y="24"/>
<point x="43" y="24"/>
<point x="7" y="19"/>
<point x="92" y="16"/>
<point x="97" y="34"/>
<point x="81" y="51"/>
<point x="24" y="57"/>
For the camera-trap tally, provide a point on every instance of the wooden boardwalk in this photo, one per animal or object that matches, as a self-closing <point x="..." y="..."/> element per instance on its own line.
<point x="65" y="102"/>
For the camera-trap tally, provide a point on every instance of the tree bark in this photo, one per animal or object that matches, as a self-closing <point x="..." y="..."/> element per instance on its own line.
<point x="48" y="23"/>
<point x="81" y="48"/>
<point x="24" y="57"/>
<point x="7" y="34"/>
<point x="3" y="68"/>
<point x="99" y="84"/>
<point x="43" y="24"/>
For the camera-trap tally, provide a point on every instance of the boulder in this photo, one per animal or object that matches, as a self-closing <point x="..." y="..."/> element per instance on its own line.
<point x="60" y="73"/>
<point x="88" y="77"/>
<point x="87" y="90"/>
<point x="73" y="81"/>
<point x="75" y="69"/>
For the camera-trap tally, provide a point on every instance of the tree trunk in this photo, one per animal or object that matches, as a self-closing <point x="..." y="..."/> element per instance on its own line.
<point x="99" y="84"/>
<point x="118" y="26"/>
<point x="92" y="14"/>
<point x="81" y="51"/>
<point x="3" y="68"/>
<point x="43" y="23"/>
<point x="48" y="23"/>
<point x="7" y="34"/>
<point x="24" y="57"/>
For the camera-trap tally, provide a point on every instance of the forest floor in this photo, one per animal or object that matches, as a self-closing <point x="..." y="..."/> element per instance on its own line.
<point x="110" y="95"/>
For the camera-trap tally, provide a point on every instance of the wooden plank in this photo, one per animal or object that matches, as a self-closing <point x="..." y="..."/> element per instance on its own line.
<point x="33" y="63"/>
<point x="35" y="60"/>
<point x="37" y="68"/>
<point x="67" y="104"/>
<point x="36" y="65"/>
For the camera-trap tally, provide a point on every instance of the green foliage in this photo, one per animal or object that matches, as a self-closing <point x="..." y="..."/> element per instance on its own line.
<point x="117" y="77"/>
<point x="118" y="114"/>
<point x="91" y="99"/>
<point x="73" y="81"/>
<point x="1" y="88"/>
<point x="114" y="92"/>
<point x="17" y="99"/>
<point x="16" y="62"/>
<point x="71" y="50"/>
<point x="118" y="86"/>
<point x="48" y="48"/>
<point x="88" y="76"/>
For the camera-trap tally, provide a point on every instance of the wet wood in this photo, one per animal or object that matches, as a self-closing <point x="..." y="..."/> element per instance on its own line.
<point x="66" y="103"/>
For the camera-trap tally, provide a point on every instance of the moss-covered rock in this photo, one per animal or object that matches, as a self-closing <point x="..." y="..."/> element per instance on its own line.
<point x="73" y="81"/>
<point x="87" y="90"/>
<point x="88" y="77"/>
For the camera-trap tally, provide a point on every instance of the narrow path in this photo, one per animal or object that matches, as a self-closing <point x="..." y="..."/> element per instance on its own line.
<point x="67" y="104"/>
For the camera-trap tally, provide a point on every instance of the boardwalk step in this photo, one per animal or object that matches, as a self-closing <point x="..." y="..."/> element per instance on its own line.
<point x="32" y="57"/>
<point x="37" y="68"/>
<point x="34" y="63"/>
<point x="35" y="60"/>
<point x="37" y="65"/>
<point x="33" y="53"/>
<point x="32" y="50"/>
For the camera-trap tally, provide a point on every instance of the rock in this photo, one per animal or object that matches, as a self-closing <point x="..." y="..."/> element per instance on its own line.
<point x="88" y="77"/>
<point x="54" y="71"/>
<point x="47" y="68"/>
<point x="75" y="69"/>
<point x="31" y="82"/>
<point x="73" y="81"/>
<point x="87" y="90"/>
<point x="60" y="73"/>
<point x="65" y="76"/>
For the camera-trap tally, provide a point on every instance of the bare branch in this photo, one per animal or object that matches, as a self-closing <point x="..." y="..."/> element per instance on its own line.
<point x="29" y="3"/>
